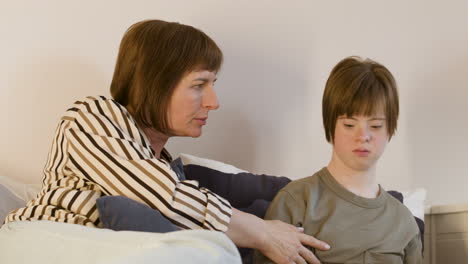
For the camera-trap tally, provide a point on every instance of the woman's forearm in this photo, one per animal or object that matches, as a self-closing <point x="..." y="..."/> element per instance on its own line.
<point x="246" y="230"/>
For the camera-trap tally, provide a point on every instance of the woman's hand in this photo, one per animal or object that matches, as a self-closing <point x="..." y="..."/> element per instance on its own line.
<point x="282" y="243"/>
<point x="285" y="243"/>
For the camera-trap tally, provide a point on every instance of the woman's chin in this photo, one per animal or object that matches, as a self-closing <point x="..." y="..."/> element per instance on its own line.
<point x="195" y="133"/>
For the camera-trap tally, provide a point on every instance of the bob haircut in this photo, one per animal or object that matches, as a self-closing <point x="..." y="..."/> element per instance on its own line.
<point x="359" y="86"/>
<point x="153" y="57"/>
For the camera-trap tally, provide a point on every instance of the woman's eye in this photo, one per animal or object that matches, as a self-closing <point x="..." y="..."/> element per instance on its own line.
<point x="376" y="127"/>
<point x="348" y="125"/>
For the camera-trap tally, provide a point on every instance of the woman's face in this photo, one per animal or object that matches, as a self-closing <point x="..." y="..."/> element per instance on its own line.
<point x="193" y="97"/>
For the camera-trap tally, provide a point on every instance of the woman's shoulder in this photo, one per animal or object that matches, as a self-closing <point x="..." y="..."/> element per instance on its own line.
<point x="97" y="106"/>
<point x="90" y="103"/>
<point x="101" y="115"/>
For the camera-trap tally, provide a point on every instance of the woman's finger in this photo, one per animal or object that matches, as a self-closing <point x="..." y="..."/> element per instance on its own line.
<point x="313" y="242"/>
<point x="308" y="256"/>
<point x="300" y="260"/>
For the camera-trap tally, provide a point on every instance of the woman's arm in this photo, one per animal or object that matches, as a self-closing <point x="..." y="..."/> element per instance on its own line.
<point x="105" y="148"/>
<point x="240" y="189"/>
<point x="280" y="242"/>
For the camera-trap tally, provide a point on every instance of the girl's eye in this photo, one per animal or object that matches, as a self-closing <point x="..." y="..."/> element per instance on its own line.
<point x="348" y="125"/>
<point x="376" y="127"/>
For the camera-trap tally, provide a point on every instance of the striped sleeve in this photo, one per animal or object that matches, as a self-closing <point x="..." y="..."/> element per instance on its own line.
<point x="106" y="147"/>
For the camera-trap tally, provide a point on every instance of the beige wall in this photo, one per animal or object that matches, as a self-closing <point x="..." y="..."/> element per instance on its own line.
<point x="278" y="55"/>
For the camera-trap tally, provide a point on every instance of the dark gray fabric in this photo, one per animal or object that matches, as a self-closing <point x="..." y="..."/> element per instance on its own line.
<point x="240" y="189"/>
<point x="122" y="213"/>
<point x="396" y="195"/>
<point x="178" y="167"/>
<point x="8" y="203"/>
<point x="420" y="222"/>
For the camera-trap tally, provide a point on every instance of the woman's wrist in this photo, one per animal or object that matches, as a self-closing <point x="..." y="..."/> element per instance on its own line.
<point x="247" y="230"/>
<point x="259" y="234"/>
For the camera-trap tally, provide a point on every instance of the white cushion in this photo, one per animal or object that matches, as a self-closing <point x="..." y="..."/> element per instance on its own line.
<point x="8" y="202"/>
<point x="52" y="242"/>
<point x="14" y="194"/>
<point x="209" y="163"/>
<point x="414" y="200"/>
<point x="24" y="191"/>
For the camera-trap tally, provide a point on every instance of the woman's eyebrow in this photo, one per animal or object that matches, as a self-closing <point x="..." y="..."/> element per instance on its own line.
<point x="204" y="79"/>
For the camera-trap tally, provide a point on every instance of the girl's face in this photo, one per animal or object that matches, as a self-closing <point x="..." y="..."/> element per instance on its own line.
<point x="359" y="141"/>
<point x="193" y="97"/>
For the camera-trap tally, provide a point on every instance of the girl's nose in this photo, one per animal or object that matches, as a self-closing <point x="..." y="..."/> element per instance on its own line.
<point x="364" y="134"/>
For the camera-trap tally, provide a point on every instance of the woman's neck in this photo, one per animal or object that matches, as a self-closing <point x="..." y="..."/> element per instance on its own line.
<point x="360" y="182"/>
<point x="157" y="140"/>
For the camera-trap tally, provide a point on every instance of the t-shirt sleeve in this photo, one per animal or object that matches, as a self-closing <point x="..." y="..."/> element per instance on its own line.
<point x="106" y="148"/>
<point x="286" y="208"/>
<point x="413" y="251"/>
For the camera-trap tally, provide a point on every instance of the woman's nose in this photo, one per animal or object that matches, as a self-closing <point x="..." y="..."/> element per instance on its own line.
<point x="210" y="99"/>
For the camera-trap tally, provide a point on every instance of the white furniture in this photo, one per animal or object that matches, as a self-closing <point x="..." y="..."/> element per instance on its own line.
<point x="55" y="243"/>
<point x="446" y="234"/>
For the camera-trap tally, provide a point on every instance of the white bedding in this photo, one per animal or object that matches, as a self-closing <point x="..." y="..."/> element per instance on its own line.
<point x="51" y="242"/>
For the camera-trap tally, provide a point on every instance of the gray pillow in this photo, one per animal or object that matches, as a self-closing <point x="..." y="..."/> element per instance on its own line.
<point x="8" y="202"/>
<point x="122" y="213"/>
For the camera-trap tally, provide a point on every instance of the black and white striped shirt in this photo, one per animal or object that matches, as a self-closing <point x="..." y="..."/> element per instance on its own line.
<point x="99" y="150"/>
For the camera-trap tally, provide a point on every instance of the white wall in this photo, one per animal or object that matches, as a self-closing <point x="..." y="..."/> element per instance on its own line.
<point x="277" y="58"/>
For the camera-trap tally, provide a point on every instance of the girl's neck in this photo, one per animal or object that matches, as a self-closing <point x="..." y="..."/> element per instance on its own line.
<point x="360" y="182"/>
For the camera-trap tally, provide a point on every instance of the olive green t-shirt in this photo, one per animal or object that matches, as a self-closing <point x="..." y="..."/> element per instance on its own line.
<point x="358" y="229"/>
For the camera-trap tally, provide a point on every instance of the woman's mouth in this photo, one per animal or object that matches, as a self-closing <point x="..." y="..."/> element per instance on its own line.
<point x="201" y="121"/>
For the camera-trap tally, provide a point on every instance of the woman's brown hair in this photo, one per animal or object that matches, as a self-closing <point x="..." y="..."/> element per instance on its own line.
<point x="154" y="56"/>
<point x="359" y="87"/>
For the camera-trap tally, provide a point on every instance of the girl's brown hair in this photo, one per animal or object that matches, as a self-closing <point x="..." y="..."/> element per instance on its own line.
<point x="359" y="87"/>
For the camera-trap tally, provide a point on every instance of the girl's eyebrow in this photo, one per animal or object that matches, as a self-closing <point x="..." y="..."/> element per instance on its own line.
<point x="370" y="119"/>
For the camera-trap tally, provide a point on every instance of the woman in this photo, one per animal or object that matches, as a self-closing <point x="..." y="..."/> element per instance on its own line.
<point x="162" y="87"/>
